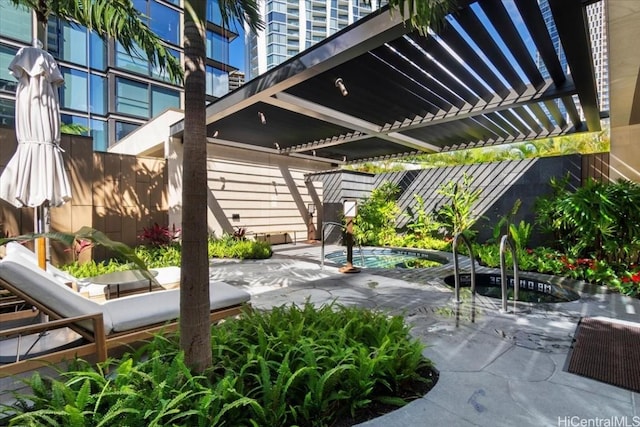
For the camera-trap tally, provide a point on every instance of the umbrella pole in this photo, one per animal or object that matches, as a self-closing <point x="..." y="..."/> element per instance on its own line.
<point x="40" y="227"/>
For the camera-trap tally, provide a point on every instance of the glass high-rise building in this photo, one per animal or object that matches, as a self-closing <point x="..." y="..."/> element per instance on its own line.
<point x="292" y="26"/>
<point x="107" y="91"/>
<point x="597" y="21"/>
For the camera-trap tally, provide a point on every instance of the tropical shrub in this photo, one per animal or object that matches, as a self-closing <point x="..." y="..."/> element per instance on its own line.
<point x="160" y="256"/>
<point x="375" y="222"/>
<point x="598" y="220"/>
<point x="92" y="268"/>
<point x="157" y="235"/>
<point x="232" y="246"/>
<point x="155" y="256"/>
<point x="422" y="223"/>
<point x="295" y="365"/>
<point x="456" y="215"/>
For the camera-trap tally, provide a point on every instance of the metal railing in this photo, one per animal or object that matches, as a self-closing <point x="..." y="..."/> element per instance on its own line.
<point x="456" y="266"/>
<point x="504" y="244"/>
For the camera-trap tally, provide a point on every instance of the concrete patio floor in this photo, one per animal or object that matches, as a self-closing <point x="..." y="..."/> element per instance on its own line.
<point x="496" y="369"/>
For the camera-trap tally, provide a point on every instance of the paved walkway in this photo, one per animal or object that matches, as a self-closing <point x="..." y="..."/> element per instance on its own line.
<point x="496" y="369"/>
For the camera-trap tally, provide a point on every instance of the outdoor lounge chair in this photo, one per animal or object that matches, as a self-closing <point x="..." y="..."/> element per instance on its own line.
<point x="104" y="326"/>
<point x="166" y="277"/>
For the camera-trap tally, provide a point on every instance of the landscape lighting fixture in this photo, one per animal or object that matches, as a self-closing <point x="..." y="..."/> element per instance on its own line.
<point x="263" y="119"/>
<point x="340" y="85"/>
<point x="276" y="145"/>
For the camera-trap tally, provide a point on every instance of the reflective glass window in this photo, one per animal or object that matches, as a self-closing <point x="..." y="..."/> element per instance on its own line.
<point x="74" y="95"/>
<point x="8" y="83"/>
<point x="217" y="47"/>
<point x="70" y="119"/>
<point x="132" y="97"/>
<point x="165" y="22"/>
<point x="213" y="12"/>
<point x="98" y="94"/>
<point x="97" y="52"/>
<point x="15" y="22"/>
<point x="100" y="134"/>
<point x="275" y="16"/>
<point x="72" y="43"/>
<point x="217" y="83"/>
<point x="162" y="98"/>
<point x="141" y="6"/>
<point x="135" y="62"/>
<point x="123" y="129"/>
<point x="164" y="75"/>
<point x="7" y="112"/>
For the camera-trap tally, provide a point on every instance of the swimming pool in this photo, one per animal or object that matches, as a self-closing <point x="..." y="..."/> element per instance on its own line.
<point x="388" y="258"/>
<point x="530" y="289"/>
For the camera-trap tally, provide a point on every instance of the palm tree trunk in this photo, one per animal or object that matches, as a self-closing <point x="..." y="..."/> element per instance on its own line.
<point x="195" y="332"/>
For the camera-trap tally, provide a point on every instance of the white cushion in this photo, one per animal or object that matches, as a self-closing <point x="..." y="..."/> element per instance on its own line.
<point x="139" y="310"/>
<point x="15" y="248"/>
<point x="167" y="276"/>
<point x="42" y="287"/>
<point x="120" y="314"/>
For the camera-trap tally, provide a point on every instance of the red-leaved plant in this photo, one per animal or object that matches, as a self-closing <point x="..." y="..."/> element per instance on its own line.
<point x="159" y="235"/>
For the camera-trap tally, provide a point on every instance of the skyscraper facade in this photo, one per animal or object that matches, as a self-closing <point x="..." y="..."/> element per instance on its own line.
<point x="597" y="19"/>
<point x="107" y="91"/>
<point x="292" y="26"/>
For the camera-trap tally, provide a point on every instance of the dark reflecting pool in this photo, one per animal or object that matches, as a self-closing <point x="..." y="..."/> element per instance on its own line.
<point x="530" y="289"/>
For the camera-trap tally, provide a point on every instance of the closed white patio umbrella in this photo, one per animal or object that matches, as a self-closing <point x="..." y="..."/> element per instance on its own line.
<point x="35" y="175"/>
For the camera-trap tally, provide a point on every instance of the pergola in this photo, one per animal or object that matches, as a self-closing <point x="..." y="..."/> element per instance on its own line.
<point x="377" y="90"/>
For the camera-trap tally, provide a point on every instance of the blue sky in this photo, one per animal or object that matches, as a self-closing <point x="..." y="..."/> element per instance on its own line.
<point x="236" y="50"/>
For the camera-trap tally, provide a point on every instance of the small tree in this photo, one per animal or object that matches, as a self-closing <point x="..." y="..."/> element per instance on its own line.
<point x="457" y="216"/>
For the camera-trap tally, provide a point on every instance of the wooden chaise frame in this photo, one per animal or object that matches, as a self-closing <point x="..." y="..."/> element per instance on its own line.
<point x="99" y="343"/>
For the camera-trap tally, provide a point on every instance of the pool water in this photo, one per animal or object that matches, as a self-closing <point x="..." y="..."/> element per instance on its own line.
<point x="387" y="258"/>
<point x="530" y="290"/>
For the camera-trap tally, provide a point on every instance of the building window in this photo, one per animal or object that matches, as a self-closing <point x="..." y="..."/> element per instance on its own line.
<point x="67" y="41"/>
<point x="7" y="112"/>
<point x="83" y="122"/>
<point x="136" y="62"/>
<point x="15" y="22"/>
<point x="162" y="98"/>
<point x="217" y="47"/>
<point x="123" y="129"/>
<point x="99" y="132"/>
<point x="165" y="22"/>
<point x="98" y="94"/>
<point x="74" y="94"/>
<point x="144" y="100"/>
<point x="97" y="52"/>
<point x="213" y="12"/>
<point x="164" y="74"/>
<point x="8" y="83"/>
<point x="217" y="82"/>
<point x="132" y="98"/>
